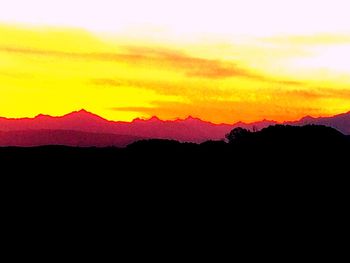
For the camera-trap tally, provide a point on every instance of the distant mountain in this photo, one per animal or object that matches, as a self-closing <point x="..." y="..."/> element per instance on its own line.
<point x="82" y="128"/>
<point x="340" y="122"/>
<point x="188" y="130"/>
<point x="32" y="138"/>
<point x="77" y="121"/>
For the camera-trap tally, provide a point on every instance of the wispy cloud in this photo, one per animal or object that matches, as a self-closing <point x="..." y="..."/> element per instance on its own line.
<point x="192" y="67"/>
<point x="183" y="88"/>
<point x="318" y="93"/>
<point x="102" y="56"/>
<point x="14" y="74"/>
<point x="317" y="39"/>
<point x="174" y="60"/>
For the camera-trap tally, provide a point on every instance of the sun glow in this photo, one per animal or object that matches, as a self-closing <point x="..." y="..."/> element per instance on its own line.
<point x="221" y="61"/>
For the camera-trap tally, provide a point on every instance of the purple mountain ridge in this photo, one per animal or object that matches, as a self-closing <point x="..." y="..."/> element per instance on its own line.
<point x="82" y="128"/>
<point x="341" y="122"/>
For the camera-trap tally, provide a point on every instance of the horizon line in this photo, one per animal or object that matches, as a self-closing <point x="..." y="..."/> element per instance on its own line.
<point x="82" y="110"/>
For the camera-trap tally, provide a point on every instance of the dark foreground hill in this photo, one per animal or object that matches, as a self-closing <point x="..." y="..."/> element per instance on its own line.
<point x="283" y="178"/>
<point x="274" y="150"/>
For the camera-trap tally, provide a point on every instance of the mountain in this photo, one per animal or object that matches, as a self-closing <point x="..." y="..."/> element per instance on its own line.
<point x="30" y="138"/>
<point x="82" y="128"/>
<point x="188" y="130"/>
<point x="77" y="121"/>
<point x="340" y="122"/>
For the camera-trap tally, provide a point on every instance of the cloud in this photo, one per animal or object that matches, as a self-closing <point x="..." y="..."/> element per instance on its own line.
<point x="317" y="39"/>
<point x="65" y="54"/>
<point x="14" y="75"/>
<point x="173" y="60"/>
<point x="155" y="57"/>
<point x="187" y="87"/>
<point x="193" y="66"/>
<point x="183" y="88"/>
<point x="159" y="58"/>
<point x="318" y="94"/>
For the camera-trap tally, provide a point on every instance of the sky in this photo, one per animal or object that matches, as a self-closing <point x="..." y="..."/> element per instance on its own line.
<point x="221" y="61"/>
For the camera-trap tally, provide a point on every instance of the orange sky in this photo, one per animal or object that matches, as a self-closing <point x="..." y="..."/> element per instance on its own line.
<point x="221" y="61"/>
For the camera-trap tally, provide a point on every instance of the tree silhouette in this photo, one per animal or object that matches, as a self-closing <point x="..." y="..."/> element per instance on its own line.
<point x="237" y="135"/>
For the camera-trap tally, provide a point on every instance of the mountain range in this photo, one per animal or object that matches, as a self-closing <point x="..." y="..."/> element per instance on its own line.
<point x="83" y="129"/>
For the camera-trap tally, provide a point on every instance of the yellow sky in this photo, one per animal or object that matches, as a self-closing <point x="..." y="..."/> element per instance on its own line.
<point x="222" y="61"/>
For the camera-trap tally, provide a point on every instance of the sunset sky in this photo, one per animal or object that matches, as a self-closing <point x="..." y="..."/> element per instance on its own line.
<point x="219" y="60"/>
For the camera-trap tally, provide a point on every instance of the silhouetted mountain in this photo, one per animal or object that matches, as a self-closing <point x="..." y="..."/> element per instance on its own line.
<point x="275" y="150"/>
<point x="289" y="137"/>
<point x="281" y="146"/>
<point x="187" y="130"/>
<point x="277" y="161"/>
<point x="259" y="178"/>
<point x="254" y="125"/>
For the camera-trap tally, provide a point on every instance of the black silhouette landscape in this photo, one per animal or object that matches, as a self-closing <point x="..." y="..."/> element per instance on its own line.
<point x="279" y="148"/>
<point x="245" y="159"/>
<point x="276" y="170"/>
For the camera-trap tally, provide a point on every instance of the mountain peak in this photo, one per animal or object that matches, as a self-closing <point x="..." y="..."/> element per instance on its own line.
<point x="82" y="112"/>
<point x="154" y="118"/>
<point x="83" y="115"/>
<point x="40" y="116"/>
<point x="191" y="118"/>
<point x="307" y="118"/>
